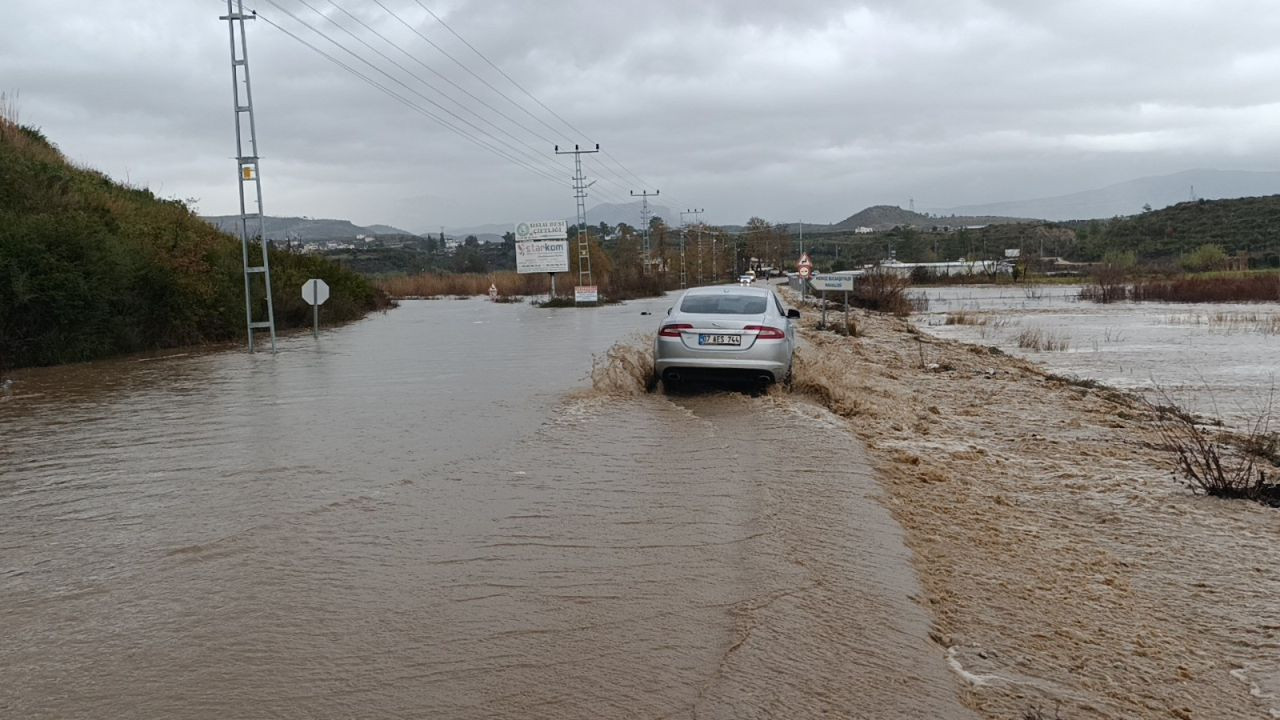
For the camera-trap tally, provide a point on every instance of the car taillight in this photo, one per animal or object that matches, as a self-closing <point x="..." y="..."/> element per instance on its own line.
<point x="674" y="330"/>
<point x="764" y="332"/>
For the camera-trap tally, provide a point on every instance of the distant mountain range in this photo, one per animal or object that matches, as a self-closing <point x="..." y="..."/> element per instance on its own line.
<point x="303" y="228"/>
<point x="1126" y="198"/>
<point x="1129" y="197"/>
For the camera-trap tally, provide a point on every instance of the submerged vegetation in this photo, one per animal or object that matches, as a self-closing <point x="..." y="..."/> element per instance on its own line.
<point x="884" y="292"/>
<point x="90" y="267"/>
<point x="1041" y="341"/>
<point x="1223" y="465"/>
<point x="1205" y="288"/>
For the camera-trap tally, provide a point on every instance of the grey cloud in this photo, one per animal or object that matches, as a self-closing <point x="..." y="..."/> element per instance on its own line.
<point x="810" y="107"/>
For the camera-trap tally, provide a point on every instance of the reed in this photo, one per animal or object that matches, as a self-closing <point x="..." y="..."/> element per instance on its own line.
<point x="966" y="317"/>
<point x="1041" y="341"/>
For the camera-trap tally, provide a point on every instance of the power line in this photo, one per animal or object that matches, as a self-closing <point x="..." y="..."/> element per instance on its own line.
<point x="521" y="88"/>
<point x="438" y="74"/>
<point x="621" y="188"/>
<point x="460" y="64"/>
<point x="527" y="160"/>
<point x="535" y="159"/>
<point x="408" y="103"/>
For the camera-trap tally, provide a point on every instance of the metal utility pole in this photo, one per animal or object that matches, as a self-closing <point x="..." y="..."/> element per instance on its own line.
<point x="644" y="196"/>
<point x="247" y="171"/>
<point x="684" y="237"/>
<point x="698" y="222"/>
<point x="580" y="186"/>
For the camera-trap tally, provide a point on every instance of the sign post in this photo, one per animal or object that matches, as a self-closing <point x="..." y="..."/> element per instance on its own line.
<point x="804" y="267"/>
<point x="542" y="246"/>
<point x="315" y="291"/>
<point x="832" y="281"/>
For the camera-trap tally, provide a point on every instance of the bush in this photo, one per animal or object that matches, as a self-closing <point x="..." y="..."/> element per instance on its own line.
<point x="882" y="292"/>
<point x="1206" y="257"/>
<point x="1208" y="465"/>
<point x="1223" y="288"/>
<point x="90" y="267"/>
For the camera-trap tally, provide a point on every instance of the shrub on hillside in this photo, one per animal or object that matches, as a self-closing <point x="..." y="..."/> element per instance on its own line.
<point x="90" y="268"/>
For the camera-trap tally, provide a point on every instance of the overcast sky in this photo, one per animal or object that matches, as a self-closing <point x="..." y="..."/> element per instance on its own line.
<point x="788" y="110"/>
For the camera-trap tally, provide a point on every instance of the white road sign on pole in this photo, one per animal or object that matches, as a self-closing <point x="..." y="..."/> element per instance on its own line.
<point x="542" y="230"/>
<point x="315" y="291"/>
<point x="829" y="281"/>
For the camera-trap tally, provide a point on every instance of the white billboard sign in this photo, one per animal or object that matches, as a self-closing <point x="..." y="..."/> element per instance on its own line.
<point x="825" y="282"/>
<point x="586" y="294"/>
<point x="542" y="256"/>
<point x="542" y="230"/>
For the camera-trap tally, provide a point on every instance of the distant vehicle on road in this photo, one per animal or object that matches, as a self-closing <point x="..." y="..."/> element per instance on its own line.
<point x="728" y="332"/>
<point x="745" y="279"/>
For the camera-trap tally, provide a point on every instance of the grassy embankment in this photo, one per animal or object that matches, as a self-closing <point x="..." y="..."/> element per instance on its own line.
<point x="90" y="267"/>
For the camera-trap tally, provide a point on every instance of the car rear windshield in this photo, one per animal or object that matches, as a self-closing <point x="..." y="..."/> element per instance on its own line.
<point x="724" y="304"/>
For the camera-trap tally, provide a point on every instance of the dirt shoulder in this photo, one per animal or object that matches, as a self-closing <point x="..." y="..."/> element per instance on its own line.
<point x="1065" y="565"/>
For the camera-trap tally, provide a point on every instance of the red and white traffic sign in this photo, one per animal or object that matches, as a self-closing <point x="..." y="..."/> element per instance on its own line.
<point x="804" y="265"/>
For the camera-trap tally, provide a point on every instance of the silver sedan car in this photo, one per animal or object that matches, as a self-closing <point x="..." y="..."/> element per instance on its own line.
<point x="726" y="331"/>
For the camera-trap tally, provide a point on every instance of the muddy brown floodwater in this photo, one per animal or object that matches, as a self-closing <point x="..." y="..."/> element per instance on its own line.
<point x="432" y="514"/>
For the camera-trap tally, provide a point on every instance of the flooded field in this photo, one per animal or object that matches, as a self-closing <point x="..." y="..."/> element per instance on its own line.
<point x="432" y="513"/>
<point x="1217" y="359"/>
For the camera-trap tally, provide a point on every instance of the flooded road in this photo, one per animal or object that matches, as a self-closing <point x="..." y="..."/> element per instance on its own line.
<point x="431" y="514"/>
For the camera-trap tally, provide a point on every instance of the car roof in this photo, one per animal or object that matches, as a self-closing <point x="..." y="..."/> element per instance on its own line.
<point x="735" y="289"/>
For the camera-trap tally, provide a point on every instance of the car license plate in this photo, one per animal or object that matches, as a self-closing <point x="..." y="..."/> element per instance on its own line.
<point x="719" y="339"/>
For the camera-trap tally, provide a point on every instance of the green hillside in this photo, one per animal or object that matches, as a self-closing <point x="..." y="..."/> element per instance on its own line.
<point x="1238" y="225"/>
<point x="90" y="268"/>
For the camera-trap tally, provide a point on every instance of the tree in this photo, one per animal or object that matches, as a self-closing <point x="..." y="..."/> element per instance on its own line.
<point x="469" y="259"/>
<point x="1204" y="258"/>
<point x="471" y="241"/>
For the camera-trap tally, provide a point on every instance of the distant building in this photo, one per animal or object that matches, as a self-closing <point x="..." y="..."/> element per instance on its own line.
<point x="863" y="230"/>
<point x="949" y="269"/>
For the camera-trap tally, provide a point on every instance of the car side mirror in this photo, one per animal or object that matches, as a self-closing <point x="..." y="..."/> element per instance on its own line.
<point x="793" y="314"/>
